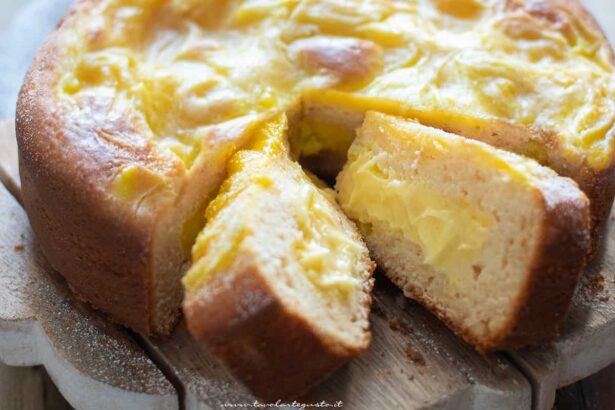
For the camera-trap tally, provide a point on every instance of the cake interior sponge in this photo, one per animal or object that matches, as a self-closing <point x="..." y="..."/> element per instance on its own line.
<point x="492" y="242"/>
<point x="281" y="280"/>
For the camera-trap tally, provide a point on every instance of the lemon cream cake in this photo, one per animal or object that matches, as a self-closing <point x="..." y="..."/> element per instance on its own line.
<point x="280" y="275"/>
<point x="490" y="241"/>
<point x="132" y="109"/>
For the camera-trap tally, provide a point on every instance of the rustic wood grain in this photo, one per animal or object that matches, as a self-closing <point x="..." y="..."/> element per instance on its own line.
<point x="9" y="167"/>
<point x="442" y="371"/>
<point x="596" y="392"/>
<point x="599" y="389"/>
<point x="95" y="364"/>
<point x="582" y="350"/>
<point x="414" y="362"/>
<point x="52" y="397"/>
<point x="21" y="388"/>
<point x="29" y="388"/>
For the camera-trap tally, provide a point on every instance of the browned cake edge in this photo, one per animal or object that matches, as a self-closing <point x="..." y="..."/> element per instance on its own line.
<point x="101" y="248"/>
<point x="268" y="345"/>
<point x="557" y="265"/>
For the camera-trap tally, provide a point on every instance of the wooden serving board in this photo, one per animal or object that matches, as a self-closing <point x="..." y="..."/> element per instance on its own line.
<point x="413" y="362"/>
<point x="15" y="381"/>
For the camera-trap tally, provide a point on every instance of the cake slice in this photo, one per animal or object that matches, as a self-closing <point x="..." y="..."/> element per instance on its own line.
<point x="280" y="284"/>
<point x="491" y="242"/>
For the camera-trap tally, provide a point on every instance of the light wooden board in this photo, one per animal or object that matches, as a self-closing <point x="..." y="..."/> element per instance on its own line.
<point x="9" y="168"/>
<point x="21" y="388"/>
<point x="413" y="362"/>
<point x="95" y="364"/>
<point x="29" y="388"/>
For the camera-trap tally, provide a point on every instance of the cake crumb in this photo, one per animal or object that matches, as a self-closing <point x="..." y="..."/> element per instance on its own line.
<point x="19" y="247"/>
<point x="414" y="355"/>
<point x="400" y="326"/>
<point x="597" y="284"/>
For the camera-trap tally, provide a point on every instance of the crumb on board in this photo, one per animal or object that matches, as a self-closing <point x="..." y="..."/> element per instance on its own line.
<point x="19" y="247"/>
<point x="414" y="355"/>
<point x="597" y="283"/>
<point x="398" y="325"/>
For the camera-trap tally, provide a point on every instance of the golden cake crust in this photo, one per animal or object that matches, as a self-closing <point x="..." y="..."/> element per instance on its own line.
<point x="552" y="246"/>
<point x="598" y="185"/>
<point x="556" y="268"/>
<point x="268" y="344"/>
<point x="67" y="163"/>
<point x="557" y="265"/>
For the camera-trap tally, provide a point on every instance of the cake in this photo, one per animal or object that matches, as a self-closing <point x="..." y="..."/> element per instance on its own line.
<point x="490" y="241"/>
<point x="132" y="110"/>
<point x="280" y="275"/>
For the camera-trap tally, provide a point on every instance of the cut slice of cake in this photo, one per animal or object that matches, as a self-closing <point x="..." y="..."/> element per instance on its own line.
<point x="491" y="242"/>
<point x="281" y="280"/>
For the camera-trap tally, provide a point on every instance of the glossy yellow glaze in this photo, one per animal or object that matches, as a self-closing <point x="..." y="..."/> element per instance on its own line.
<point x="261" y="177"/>
<point x="186" y="64"/>
<point x="134" y="182"/>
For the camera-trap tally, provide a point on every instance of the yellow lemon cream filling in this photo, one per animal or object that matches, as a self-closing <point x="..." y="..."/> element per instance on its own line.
<point x="177" y="66"/>
<point x="263" y="177"/>
<point x="134" y="182"/>
<point x="449" y="231"/>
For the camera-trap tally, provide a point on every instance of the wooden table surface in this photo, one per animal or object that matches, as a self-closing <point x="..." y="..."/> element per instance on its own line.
<point x="31" y="388"/>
